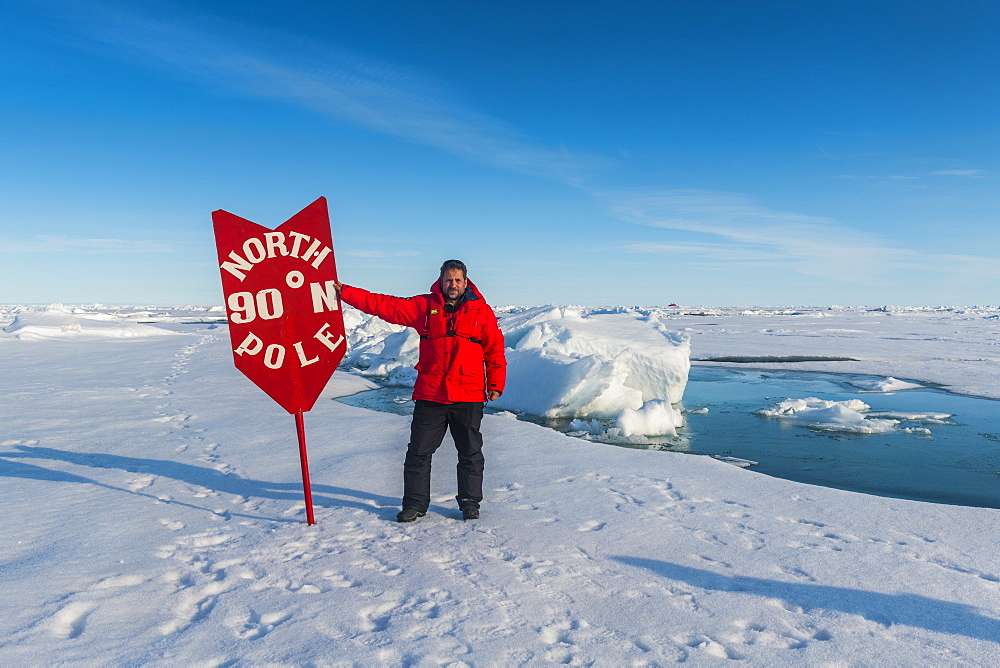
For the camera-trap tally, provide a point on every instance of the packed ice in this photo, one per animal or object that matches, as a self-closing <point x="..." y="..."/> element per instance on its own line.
<point x="561" y="362"/>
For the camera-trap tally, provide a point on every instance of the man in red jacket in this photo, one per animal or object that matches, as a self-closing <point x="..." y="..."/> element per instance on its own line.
<point x="461" y="365"/>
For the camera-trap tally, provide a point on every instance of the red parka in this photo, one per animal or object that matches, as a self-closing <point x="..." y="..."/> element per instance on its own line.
<point x="461" y="354"/>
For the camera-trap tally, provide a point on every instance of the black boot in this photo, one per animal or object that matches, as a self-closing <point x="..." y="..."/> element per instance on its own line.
<point x="409" y="514"/>
<point x="470" y="510"/>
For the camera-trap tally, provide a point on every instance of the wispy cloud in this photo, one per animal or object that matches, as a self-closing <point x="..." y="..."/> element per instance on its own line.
<point x="63" y="244"/>
<point x="960" y="172"/>
<point x="967" y="173"/>
<point x="377" y="253"/>
<point x="386" y="98"/>
<point x="717" y="252"/>
<point x="749" y="232"/>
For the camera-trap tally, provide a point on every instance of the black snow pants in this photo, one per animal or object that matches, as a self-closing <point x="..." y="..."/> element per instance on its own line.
<point x="430" y="420"/>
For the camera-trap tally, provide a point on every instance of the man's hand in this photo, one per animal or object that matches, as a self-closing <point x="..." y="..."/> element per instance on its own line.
<point x="493" y="395"/>
<point x="338" y="287"/>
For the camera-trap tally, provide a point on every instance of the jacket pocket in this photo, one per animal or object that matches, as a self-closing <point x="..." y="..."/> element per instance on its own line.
<point x="472" y="375"/>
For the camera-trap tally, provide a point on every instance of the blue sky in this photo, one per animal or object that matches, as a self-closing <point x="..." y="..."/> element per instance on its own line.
<point x="697" y="152"/>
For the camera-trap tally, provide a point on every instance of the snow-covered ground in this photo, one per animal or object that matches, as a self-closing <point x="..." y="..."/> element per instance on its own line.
<point x="152" y="512"/>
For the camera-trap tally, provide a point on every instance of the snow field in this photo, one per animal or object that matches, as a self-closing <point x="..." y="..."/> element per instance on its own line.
<point x="153" y="515"/>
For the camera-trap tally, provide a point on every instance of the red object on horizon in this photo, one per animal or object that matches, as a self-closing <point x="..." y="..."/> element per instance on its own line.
<point x="285" y="320"/>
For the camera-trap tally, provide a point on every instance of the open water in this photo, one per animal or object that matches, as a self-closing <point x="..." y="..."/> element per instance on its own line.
<point x="958" y="463"/>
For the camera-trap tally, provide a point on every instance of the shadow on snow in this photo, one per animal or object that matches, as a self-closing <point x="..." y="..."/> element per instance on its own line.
<point x="326" y="496"/>
<point x="886" y="609"/>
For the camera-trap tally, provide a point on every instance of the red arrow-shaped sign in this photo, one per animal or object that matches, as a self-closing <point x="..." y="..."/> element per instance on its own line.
<point x="285" y="322"/>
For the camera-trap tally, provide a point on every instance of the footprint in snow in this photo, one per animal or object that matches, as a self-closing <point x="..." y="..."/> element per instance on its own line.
<point x="119" y="581"/>
<point x="253" y="625"/>
<point x="592" y="525"/>
<point x="71" y="620"/>
<point x="173" y="525"/>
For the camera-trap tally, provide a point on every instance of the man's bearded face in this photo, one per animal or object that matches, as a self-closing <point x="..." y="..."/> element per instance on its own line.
<point x="453" y="284"/>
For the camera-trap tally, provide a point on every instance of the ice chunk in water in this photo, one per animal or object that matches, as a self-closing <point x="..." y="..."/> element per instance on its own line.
<point x="839" y="416"/>
<point x="884" y="385"/>
<point x="654" y="418"/>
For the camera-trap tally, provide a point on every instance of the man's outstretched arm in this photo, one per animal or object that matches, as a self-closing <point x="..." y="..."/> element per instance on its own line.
<point x="397" y="310"/>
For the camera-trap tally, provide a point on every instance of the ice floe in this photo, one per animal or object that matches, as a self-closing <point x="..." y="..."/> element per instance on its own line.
<point x="925" y="417"/>
<point x="852" y="416"/>
<point x="822" y="415"/>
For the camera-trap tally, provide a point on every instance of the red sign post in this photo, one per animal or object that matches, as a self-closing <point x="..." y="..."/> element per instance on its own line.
<point x="285" y="322"/>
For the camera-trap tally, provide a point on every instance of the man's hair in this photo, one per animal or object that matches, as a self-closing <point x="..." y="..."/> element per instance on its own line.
<point x="454" y="264"/>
